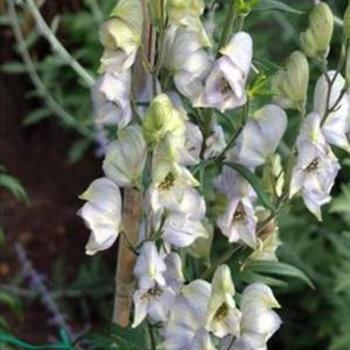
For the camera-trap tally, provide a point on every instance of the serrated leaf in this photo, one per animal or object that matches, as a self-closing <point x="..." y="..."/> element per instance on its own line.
<point x="279" y="269"/>
<point x="13" y="68"/>
<point x="254" y="181"/>
<point x="36" y="116"/>
<point x="14" y="186"/>
<point x="270" y="5"/>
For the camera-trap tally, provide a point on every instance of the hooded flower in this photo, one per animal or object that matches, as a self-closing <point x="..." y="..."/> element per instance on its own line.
<point x="163" y="118"/>
<point x="173" y="274"/>
<point x="316" y="166"/>
<point x="337" y="122"/>
<point x="125" y="158"/>
<point x="102" y="214"/>
<point x="186" y="327"/>
<point x="154" y="302"/>
<point x="233" y="185"/>
<point x="223" y="316"/>
<point x="258" y="318"/>
<point x="238" y="222"/>
<point x="260" y="136"/>
<point x="190" y="153"/>
<point x="121" y="36"/>
<point x="186" y="58"/>
<point x="225" y="85"/>
<point x="291" y="82"/>
<point x="181" y="231"/>
<point x="179" y="10"/>
<point x="215" y="143"/>
<point x="154" y="297"/>
<point x="150" y="267"/>
<point x="171" y="183"/>
<point x="316" y="39"/>
<point x="111" y="99"/>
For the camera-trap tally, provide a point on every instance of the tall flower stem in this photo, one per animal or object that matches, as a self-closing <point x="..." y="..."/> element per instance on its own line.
<point x="126" y="257"/>
<point x="132" y="198"/>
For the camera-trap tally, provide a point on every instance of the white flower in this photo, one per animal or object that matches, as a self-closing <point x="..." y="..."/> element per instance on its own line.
<point x="260" y="136"/>
<point x="154" y="297"/>
<point x="215" y="143"/>
<point x="190" y="152"/>
<point x="181" y="231"/>
<point x="186" y="326"/>
<point x="225" y="85"/>
<point x="316" y="166"/>
<point x="111" y="99"/>
<point x="187" y="60"/>
<point x="102" y="214"/>
<point x="173" y="274"/>
<point x="223" y="316"/>
<point x="238" y="222"/>
<point x="150" y="267"/>
<point x="126" y="157"/>
<point x="233" y="185"/>
<point x="337" y="122"/>
<point x="257" y="315"/>
<point x="162" y="119"/>
<point x="121" y="36"/>
<point x="171" y="184"/>
<point x="154" y="302"/>
<point x="249" y="341"/>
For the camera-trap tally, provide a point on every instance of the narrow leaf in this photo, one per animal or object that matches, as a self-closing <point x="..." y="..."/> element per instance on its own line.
<point x="280" y="269"/>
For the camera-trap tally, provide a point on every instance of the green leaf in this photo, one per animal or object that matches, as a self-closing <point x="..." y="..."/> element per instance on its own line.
<point x="36" y="116"/>
<point x="118" y="338"/>
<point x="14" y="186"/>
<point x="254" y="181"/>
<point x="279" y="269"/>
<point x="269" y="5"/>
<point x="251" y="277"/>
<point x="13" y="68"/>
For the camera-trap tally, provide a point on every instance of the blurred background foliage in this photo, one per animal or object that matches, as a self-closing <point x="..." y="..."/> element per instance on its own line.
<point x="313" y="318"/>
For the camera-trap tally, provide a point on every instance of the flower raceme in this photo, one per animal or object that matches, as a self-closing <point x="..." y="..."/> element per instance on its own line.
<point x="179" y="155"/>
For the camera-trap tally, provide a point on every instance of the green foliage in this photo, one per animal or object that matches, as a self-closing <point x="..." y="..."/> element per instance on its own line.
<point x="118" y="338"/>
<point x="13" y="185"/>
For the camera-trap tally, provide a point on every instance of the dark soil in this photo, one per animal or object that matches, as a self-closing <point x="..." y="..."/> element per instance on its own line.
<point x="48" y="228"/>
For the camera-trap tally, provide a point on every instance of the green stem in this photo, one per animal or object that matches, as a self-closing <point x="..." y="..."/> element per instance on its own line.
<point x="152" y="336"/>
<point x="228" y="25"/>
<point x="342" y="60"/>
<point x="223" y="259"/>
<point x="58" y="47"/>
<point x="56" y="108"/>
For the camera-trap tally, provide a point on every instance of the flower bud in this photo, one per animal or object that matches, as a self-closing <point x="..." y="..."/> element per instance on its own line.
<point x="126" y="157"/>
<point x="124" y="29"/>
<point x="178" y="9"/>
<point x="291" y="83"/>
<point x="347" y="22"/>
<point x="162" y="118"/>
<point x="316" y="39"/>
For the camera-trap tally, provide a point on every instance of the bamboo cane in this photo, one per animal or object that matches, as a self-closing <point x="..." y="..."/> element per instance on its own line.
<point x="132" y="200"/>
<point x="126" y="258"/>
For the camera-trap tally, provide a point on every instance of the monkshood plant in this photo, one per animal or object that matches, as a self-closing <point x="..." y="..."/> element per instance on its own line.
<point x="200" y="169"/>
